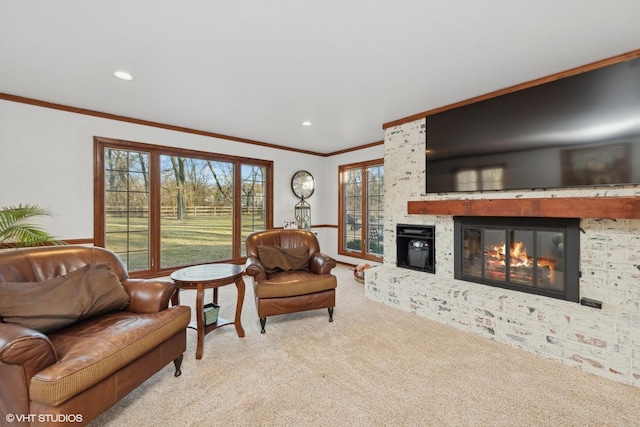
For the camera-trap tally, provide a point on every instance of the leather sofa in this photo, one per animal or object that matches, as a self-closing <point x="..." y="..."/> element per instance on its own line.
<point x="71" y="375"/>
<point x="289" y="273"/>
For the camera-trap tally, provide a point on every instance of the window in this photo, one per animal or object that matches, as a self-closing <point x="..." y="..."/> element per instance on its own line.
<point x="159" y="208"/>
<point x="126" y="211"/>
<point x="488" y="178"/>
<point x="361" y="223"/>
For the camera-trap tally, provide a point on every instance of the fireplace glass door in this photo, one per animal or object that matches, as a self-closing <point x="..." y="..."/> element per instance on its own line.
<point x="528" y="256"/>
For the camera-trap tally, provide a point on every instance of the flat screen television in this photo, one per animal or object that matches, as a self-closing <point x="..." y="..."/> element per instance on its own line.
<point x="581" y="130"/>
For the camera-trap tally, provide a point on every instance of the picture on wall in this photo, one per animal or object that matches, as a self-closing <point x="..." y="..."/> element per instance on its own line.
<point x="601" y="165"/>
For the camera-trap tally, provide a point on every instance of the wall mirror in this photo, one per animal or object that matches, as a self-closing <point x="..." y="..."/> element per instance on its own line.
<point x="303" y="184"/>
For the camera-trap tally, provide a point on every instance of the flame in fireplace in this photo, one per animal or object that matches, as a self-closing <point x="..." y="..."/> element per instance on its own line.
<point x="521" y="264"/>
<point x="517" y="255"/>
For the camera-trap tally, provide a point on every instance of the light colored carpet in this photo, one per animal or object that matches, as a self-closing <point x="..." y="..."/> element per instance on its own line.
<point x="373" y="366"/>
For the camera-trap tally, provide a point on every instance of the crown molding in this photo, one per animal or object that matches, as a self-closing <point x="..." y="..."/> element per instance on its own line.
<point x="108" y="116"/>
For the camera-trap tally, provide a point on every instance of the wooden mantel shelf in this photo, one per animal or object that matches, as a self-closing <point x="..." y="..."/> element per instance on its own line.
<point x="551" y="207"/>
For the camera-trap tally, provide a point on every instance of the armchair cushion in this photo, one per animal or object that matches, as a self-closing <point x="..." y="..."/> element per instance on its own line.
<point x="294" y="283"/>
<point x="53" y="304"/>
<point x="274" y="258"/>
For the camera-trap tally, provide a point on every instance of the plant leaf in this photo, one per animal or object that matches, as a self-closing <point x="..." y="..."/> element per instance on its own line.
<point x="16" y="230"/>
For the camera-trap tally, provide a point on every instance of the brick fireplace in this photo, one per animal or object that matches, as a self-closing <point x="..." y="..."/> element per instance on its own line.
<point x="602" y="341"/>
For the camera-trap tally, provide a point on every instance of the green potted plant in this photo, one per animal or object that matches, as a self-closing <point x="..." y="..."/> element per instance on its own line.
<point x="16" y="230"/>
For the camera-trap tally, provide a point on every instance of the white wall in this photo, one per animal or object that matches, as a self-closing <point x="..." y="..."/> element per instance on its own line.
<point x="46" y="158"/>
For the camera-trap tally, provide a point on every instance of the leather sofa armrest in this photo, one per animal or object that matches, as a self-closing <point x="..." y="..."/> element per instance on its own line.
<point x="255" y="268"/>
<point x="25" y="347"/>
<point x="148" y="295"/>
<point x="321" y="263"/>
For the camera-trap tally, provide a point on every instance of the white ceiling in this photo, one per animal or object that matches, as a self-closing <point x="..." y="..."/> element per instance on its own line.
<point x="256" y="69"/>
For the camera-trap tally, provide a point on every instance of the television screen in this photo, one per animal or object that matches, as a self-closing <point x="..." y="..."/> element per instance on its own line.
<point x="582" y="130"/>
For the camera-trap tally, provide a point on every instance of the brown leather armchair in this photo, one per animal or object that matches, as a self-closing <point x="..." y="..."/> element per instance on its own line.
<point x="89" y="365"/>
<point x="286" y="277"/>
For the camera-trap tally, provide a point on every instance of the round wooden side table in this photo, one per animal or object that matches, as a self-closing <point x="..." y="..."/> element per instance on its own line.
<point x="209" y="276"/>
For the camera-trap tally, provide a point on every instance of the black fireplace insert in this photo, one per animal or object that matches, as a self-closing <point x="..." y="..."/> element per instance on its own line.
<point x="415" y="246"/>
<point x="534" y="255"/>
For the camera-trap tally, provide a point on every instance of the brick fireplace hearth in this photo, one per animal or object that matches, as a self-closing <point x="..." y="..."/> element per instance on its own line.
<point x="603" y="341"/>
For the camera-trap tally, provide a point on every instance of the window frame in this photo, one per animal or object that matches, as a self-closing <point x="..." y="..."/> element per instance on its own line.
<point x="342" y="221"/>
<point x="155" y="151"/>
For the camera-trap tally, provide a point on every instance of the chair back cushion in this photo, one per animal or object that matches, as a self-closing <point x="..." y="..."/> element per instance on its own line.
<point x="286" y="239"/>
<point x="275" y="258"/>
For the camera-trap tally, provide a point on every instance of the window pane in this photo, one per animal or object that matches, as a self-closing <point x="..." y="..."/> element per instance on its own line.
<point x="495" y="253"/>
<point x="352" y="191"/>
<point x="492" y="178"/>
<point x="520" y="257"/>
<point x="550" y="259"/>
<point x="472" y="253"/>
<point x="253" y="193"/>
<point x="127" y="206"/>
<point x="375" y="209"/>
<point x="196" y="219"/>
<point x="467" y="180"/>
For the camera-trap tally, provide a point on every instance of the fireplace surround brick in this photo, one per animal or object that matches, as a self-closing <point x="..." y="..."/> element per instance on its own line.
<point x="605" y="342"/>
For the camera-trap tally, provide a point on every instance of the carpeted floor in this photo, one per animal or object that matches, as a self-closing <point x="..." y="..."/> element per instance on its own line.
<point x="373" y="366"/>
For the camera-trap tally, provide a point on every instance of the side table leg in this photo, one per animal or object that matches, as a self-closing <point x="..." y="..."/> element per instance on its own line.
<point x="200" y="320"/>
<point x="240" y="302"/>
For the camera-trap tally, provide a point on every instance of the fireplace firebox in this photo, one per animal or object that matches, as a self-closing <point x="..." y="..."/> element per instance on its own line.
<point x="534" y="255"/>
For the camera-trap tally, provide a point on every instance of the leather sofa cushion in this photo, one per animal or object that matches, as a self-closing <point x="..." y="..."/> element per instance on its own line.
<point x="293" y="283"/>
<point x="90" y="351"/>
<point x="53" y="304"/>
<point x="274" y="258"/>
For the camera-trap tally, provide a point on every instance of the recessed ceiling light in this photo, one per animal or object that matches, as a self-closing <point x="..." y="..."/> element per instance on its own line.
<point x="123" y="75"/>
<point x="306" y="123"/>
